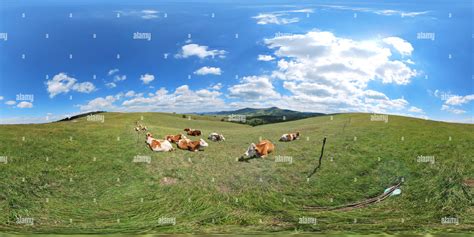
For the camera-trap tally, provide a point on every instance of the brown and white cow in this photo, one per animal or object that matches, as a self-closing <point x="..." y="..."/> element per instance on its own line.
<point x="194" y="132"/>
<point x="158" y="144"/>
<point x="187" y="144"/>
<point x="289" y="137"/>
<point x="175" y="138"/>
<point x="262" y="149"/>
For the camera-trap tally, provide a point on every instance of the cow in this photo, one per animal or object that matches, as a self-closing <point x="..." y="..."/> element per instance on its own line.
<point x="193" y="132"/>
<point x="289" y="137"/>
<point x="216" y="137"/>
<point x="187" y="144"/>
<point x="262" y="149"/>
<point x="157" y="144"/>
<point x="175" y="138"/>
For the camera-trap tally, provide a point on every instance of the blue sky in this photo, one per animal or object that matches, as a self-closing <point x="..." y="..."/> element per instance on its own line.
<point x="398" y="57"/>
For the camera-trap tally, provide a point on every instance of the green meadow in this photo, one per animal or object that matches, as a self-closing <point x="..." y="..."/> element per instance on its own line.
<point x="88" y="177"/>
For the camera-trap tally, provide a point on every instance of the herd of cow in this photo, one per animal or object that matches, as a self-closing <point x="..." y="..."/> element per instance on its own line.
<point x="261" y="149"/>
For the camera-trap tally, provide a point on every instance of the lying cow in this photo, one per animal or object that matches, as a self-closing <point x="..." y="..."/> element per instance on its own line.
<point x="216" y="137"/>
<point x="193" y="132"/>
<point x="187" y="144"/>
<point x="262" y="149"/>
<point x="289" y="137"/>
<point x="157" y="144"/>
<point x="175" y="138"/>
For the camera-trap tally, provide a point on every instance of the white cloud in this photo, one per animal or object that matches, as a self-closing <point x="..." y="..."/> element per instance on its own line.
<point x="100" y="103"/>
<point x="409" y="61"/>
<point x="217" y="86"/>
<point x="265" y="57"/>
<point x="24" y="104"/>
<point x="200" y="51"/>
<point x="327" y="73"/>
<point x="452" y="110"/>
<point x="10" y="102"/>
<point x="118" y="78"/>
<point x="113" y="71"/>
<point x="130" y="94"/>
<point x="149" y="14"/>
<point x="84" y="87"/>
<point x="146" y="14"/>
<point x="147" y="78"/>
<point x="110" y="85"/>
<point x="62" y="83"/>
<point x="305" y="10"/>
<point x="183" y="99"/>
<point x="1" y="97"/>
<point x="274" y="18"/>
<point x="459" y="100"/>
<point x="384" y="12"/>
<point x="253" y="88"/>
<point x="415" y="110"/>
<point x="401" y="45"/>
<point x="400" y="13"/>
<point x="280" y="17"/>
<point x="208" y="70"/>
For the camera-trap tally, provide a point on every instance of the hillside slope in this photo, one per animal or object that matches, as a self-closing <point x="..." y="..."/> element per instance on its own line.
<point x="80" y="176"/>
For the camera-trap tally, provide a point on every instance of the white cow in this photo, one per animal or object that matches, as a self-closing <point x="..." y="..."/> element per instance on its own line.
<point x="158" y="144"/>
<point x="216" y="137"/>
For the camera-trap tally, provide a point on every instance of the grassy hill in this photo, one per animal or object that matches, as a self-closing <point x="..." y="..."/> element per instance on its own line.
<point x="256" y="117"/>
<point x="79" y="176"/>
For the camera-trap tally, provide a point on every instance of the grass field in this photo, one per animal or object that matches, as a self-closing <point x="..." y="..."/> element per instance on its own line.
<point x="79" y="176"/>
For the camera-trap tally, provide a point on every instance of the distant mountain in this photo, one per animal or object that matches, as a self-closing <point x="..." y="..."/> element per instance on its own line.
<point x="263" y="116"/>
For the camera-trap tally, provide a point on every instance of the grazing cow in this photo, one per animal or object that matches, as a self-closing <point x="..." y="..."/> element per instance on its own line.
<point x="175" y="138"/>
<point x="193" y="132"/>
<point x="157" y="144"/>
<point x="289" y="137"/>
<point x="262" y="149"/>
<point x="216" y="137"/>
<point x="187" y="144"/>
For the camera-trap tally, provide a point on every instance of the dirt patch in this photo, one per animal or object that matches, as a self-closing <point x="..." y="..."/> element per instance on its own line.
<point x="469" y="183"/>
<point x="168" y="181"/>
<point x="223" y="188"/>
